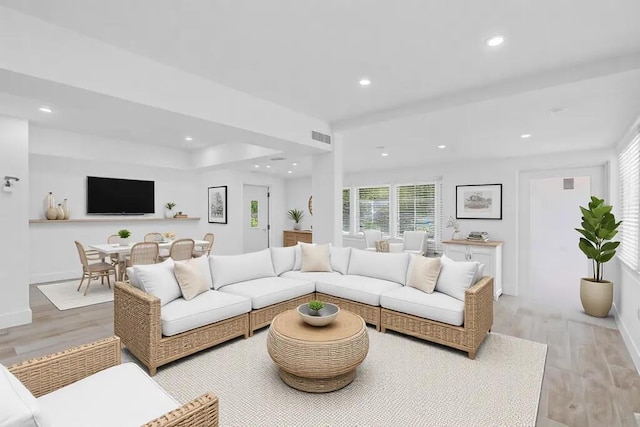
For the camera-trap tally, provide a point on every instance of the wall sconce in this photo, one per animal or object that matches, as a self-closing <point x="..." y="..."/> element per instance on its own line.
<point x="8" y="184"/>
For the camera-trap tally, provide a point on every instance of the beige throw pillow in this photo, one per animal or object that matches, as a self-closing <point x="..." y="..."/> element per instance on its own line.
<point x="190" y="278"/>
<point x="315" y="258"/>
<point x="425" y="273"/>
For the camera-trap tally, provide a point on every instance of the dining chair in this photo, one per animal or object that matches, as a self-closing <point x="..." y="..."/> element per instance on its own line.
<point x="414" y="242"/>
<point x="181" y="249"/>
<point x="370" y="238"/>
<point x="153" y="237"/>
<point x="205" y="250"/>
<point x="143" y="253"/>
<point x="94" y="270"/>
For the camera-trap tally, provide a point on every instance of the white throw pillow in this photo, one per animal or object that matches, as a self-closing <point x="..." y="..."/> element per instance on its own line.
<point x="340" y="259"/>
<point x="456" y="277"/>
<point x="479" y="274"/>
<point x="229" y="269"/>
<point x="424" y="274"/>
<point x="379" y="265"/>
<point x="159" y="280"/>
<point x="298" y="258"/>
<point x="283" y="259"/>
<point x="315" y="258"/>
<point x="191" y="278"/>
<point x="18" y="407"/>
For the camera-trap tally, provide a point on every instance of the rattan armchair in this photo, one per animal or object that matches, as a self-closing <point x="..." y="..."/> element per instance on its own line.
<point x="46" y="374"/>
<point x="143" y="253"/>
<point x="182" y="249"/>
<point x="94" y="270"/>
<point x="205" y="250"/>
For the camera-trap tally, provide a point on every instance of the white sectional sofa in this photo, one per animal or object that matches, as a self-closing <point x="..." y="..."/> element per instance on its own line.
<point x="243" y="293"/>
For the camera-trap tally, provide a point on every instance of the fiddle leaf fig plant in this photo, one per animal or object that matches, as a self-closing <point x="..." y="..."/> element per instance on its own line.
<point x="598" y="227"/>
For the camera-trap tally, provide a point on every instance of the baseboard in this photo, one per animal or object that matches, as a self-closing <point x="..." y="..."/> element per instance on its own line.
<point x="631" y="346"/>
<point x="53" y="277"/>
<point x="16" y="318"/>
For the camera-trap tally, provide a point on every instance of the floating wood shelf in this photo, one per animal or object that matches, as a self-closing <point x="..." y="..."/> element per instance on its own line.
<point x="118" y="219"/>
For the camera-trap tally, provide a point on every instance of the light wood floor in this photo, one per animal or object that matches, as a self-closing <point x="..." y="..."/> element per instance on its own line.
<point x="589" y="378"/>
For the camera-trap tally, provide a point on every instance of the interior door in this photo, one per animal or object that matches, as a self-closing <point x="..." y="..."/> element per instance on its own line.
<point x="255" y="218"/>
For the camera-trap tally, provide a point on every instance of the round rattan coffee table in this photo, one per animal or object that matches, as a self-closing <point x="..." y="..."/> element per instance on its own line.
<point x="317" y="359"/>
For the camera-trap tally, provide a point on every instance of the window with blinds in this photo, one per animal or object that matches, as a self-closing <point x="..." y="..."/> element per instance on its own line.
<point x="373" y="208"/>
<point x="346" y="210"/>
<point x="629" y="161"/>
<point x="416" y="208"/>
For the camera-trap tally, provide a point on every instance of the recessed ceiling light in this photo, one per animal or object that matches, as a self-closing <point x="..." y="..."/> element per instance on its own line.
<point x="494" y="41"/>
<point x="525" y="135"/>
<point x="289" y="172"/>
<point x="256" y="166"/>
<point x="384" y="154"/>
<point x="442" y="146"/>
<point x="188" y="138"/>
<point x="294" y="164"/>
<point x="268" y="166"/>
<point x="45" y="109"/>
<point x="364" y="82"/>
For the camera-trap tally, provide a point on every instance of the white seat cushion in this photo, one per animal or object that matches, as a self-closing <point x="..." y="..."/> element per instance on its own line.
<point x="18" y="407"/>
<point x="379" y="265"/>
<point x="436" y="306"/>
<point x="362" y="289"/>
<point x="272" y="290"/>
<point x="122" y="395"/>
<point x="229" y="269"/>
<point x="207" y="308"/>
<point x="311" y="276"/>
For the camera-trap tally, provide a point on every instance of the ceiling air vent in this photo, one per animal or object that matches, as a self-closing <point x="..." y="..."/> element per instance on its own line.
<point x="567" y="184"/>
<point x="317" y="136"/>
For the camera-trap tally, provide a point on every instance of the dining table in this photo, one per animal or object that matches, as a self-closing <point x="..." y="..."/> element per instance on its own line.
<point x="122" y="251"/>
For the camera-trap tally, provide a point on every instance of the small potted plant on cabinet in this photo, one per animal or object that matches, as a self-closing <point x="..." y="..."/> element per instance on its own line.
<point x="598" y="227"/>
<point x="168" y="213"/>
<point x="296" y="215"/>
<point x="124" y="237"/>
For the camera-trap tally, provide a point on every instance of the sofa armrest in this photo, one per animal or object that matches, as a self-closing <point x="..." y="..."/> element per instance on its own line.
<point x="45" y="374"/>
<point x="200" y="412"/>
<point x="136" y="320"/>
<point x="478" y="307"/>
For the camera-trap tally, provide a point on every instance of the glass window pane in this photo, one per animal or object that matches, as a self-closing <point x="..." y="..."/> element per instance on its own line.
<point x="346" y="210"/>
<point x="254" y="214"/>
<point x="373" y="208"/>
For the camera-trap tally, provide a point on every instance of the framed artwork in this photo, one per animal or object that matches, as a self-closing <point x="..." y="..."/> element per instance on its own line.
<point x="218" y="204"/>
<point x="479" y="201"/>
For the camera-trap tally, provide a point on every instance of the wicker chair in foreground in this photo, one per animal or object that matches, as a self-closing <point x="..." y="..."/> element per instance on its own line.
<point x="87" y="385"/>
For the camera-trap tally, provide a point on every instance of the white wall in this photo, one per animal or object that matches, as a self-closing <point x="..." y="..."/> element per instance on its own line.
<point x="505" y="172"/>
<point x="52" y="253"/>
<point x="297" y="193"/>
<point x="229" y="237"/>
<point x="14" y="268"/>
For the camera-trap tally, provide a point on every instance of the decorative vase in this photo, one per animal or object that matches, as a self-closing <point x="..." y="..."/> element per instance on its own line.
<point x="296" y="226"/>
<point x="66" y="209"/>
<point x="457" y="235"/>
<point x="51" y="212"/>
<point x="60" y="212"/>
<point x="168" y="213"/>
<point x="596" y="297"/>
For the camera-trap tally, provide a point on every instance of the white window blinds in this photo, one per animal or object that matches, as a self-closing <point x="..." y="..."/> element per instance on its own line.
<point x="416" y="208"/>
<point x="373" y="208"/>
<point x="629" y="160"/>
<point x="346" y="210"/>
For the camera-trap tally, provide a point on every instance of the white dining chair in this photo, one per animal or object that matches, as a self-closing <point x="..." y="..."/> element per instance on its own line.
<point x="414" y="242"/>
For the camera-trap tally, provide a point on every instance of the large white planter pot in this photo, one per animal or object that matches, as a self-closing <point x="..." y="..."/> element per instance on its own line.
<point x="296" y="226"/>
<point x="596" y="297"/>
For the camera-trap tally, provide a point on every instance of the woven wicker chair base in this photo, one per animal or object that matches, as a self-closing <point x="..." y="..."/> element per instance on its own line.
<point x="317" y="385"/>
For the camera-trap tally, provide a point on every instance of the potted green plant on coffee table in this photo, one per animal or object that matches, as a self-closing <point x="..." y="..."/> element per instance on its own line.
<point x="598" y="227"/>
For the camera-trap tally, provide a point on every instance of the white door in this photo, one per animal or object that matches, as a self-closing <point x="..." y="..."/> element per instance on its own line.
<point x="255" y="227"/>
<point x="554" y="264"/>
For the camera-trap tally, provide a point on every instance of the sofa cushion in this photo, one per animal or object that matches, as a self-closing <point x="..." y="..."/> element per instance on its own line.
<point x="209" y="307"/>
<point x="384" y="266"/>
<point x="424" y="274"/>
<point x="340" y="259"/>
<point x="436" y="306"/>
<point x="311" y="276"/>
<point x="229" y="269"/>
<point x="283" y="259"/>
<point x="315" y="258"/>
<point x="362" y="289"/>
<point x="18" y="407"/>
<point x="272" y="290"/>
<point x="456" y="277"/>
<point x="122" y="395"/>
<point x="158" y="280"/>
<point x="191" y="277"/>
<point x="297" y="265"/>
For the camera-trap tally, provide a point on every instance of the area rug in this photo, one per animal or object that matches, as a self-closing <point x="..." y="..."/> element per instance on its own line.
<point x="402" y="382"/>
<point x="64" y="295"/>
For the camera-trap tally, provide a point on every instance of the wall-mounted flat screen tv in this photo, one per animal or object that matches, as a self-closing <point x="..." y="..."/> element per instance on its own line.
<point x="113" y="196"/>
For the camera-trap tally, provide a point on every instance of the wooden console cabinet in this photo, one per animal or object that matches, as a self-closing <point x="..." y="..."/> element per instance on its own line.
<point x="292" y="237"/>
<point x="487" y="253"/>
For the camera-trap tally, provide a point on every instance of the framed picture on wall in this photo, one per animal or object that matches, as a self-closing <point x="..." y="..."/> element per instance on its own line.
<point x="479" y="201"/>
<point x="217" y="207"/>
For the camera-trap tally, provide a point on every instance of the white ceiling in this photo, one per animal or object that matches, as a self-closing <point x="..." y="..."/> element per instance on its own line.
<point x="433" y="79"/>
